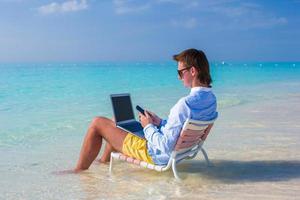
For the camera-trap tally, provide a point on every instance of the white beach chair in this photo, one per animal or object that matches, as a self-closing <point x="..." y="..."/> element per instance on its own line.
<point x="187" y="146"/>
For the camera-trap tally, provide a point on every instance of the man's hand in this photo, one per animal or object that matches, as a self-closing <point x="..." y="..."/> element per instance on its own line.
<point x="145" y="119"/>
<point x="156" y="120"/>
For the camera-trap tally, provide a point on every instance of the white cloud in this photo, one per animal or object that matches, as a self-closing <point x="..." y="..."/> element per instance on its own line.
<point x="67" y="6"/>
<point x="235" y="14"/>
<point x="11" y="1"/>
<point x="269" y="22"/>
<point x="130" y="6"/>
<point x="186" y="23"/>
<point x="247" y="15"/>
<point x="182" y="3"/>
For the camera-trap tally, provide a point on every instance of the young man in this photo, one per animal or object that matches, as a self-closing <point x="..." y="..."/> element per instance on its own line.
<point x="161" y="135"/>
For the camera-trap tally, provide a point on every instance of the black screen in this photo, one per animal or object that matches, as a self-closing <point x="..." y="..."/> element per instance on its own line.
<point x="122" y="108"/>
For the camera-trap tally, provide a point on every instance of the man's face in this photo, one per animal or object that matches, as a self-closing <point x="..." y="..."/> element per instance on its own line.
<point x="184" y="74"/>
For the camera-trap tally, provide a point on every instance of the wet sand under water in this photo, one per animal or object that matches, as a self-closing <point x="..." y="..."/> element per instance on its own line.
<point x="254" y="149"/>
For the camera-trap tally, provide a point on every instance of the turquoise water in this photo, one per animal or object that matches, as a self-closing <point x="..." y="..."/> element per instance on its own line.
<point x="45" y="110"/>
<point x="37" y="101"/>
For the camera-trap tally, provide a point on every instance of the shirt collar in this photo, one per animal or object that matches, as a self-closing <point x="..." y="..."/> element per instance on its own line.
<point x="197" y="89"/>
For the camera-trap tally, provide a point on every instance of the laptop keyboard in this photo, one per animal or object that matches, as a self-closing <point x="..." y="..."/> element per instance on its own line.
<point x="133" y="126"/>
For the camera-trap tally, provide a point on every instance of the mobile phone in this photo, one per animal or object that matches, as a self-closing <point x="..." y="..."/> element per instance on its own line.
<point x="141" y="110"/>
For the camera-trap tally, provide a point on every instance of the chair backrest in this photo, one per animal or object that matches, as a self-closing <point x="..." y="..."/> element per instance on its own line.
<point x="191" y="134"/>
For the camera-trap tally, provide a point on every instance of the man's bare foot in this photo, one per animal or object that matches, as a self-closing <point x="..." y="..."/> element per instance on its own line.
<point x="68" y="171"/>
<point x="102" y="161"/>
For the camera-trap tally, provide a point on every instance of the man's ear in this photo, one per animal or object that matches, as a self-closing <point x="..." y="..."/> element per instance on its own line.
<point x="194" y="71"/>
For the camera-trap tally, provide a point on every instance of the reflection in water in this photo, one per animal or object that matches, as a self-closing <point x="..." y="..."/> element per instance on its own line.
<point x="133" y="182"/>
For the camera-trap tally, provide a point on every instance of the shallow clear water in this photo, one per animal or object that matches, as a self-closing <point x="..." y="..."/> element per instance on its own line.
<point x="45" y="110"/>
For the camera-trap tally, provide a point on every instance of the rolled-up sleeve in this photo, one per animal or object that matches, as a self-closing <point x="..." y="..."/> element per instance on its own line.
<point x="165" y="138"/>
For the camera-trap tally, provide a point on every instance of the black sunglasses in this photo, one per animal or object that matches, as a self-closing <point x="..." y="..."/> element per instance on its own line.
<point x="180" y="72"/>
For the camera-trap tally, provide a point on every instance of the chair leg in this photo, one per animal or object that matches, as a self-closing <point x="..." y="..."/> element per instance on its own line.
<point x="110" y="163"/>
<point x="206" y="157"/>
<point x="175" y="170"/>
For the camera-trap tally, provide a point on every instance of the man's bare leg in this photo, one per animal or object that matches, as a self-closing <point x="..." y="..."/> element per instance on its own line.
<point x="107" y="151"/>
<point x="106" y="154"/>
<point x="100" y="128"/>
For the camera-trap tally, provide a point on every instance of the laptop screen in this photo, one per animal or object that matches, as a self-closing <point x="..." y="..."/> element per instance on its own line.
<point x="122" y="107"/>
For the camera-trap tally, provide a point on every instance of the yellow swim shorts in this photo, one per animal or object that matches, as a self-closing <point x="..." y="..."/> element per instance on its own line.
<point x="136" y="147"/>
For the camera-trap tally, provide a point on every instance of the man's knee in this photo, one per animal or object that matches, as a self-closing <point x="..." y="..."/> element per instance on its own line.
<point x="99" y="122"/>
<point x="96" y="122"/>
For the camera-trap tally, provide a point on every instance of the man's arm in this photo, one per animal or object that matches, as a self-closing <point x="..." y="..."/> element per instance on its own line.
<point x="165" y="138"/>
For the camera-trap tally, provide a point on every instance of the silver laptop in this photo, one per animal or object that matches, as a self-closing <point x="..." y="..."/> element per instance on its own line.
<point x="124" y="115"/>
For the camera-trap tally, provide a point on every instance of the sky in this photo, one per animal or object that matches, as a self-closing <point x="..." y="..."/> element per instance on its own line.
<point x="148" y="30"/>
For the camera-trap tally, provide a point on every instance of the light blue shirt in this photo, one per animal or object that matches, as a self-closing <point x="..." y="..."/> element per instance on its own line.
<point x="200" y="104"/>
